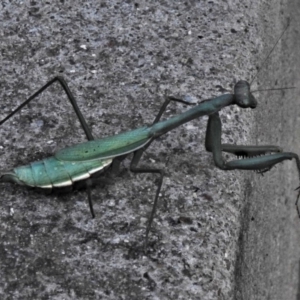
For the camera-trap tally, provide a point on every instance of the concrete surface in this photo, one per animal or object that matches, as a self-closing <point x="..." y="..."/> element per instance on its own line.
<point x="210" y="239"/>
<point x="268" y="259"/>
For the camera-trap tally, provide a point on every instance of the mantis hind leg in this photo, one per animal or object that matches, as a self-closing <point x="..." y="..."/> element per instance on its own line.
<point x="77" y="111"/>
<point x="70" y="97"/>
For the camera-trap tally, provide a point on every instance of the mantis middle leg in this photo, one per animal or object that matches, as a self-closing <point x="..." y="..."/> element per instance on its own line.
<point x="136" y="158"/>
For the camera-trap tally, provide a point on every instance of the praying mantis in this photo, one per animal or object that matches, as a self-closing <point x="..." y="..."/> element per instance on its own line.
<point x="82" y="164"/>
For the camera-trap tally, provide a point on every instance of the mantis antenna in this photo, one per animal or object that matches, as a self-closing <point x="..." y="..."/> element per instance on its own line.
<point x="283" y="32"/>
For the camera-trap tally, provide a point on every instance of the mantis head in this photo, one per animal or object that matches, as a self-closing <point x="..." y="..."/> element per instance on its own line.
<point x="243" y="96"/>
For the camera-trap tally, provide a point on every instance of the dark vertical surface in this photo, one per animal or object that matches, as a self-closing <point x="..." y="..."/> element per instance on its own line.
<point x="268" y="260"/>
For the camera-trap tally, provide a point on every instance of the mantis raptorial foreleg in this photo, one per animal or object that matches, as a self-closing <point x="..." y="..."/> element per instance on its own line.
<point x="260" y="163"/>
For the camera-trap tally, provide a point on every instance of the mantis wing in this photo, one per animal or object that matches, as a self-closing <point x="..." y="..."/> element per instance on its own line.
<point x="108" y="147"/>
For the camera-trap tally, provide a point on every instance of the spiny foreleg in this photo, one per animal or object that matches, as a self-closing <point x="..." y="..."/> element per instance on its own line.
<point x="257" y="158"/>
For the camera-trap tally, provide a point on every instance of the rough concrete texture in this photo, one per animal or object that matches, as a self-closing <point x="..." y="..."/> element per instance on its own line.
<point x="211" y="239"/>
<point x="268" y="261"/>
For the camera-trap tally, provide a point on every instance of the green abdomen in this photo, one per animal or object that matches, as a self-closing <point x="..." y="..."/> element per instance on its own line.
<point x="52" y="172"/>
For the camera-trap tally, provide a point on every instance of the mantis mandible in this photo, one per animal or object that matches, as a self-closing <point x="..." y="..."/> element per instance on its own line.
<point x="81" y="162"/>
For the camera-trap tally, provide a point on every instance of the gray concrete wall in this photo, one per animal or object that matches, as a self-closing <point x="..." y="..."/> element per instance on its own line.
<point x="268" y="260"/>
<point x="121" y="58"/>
